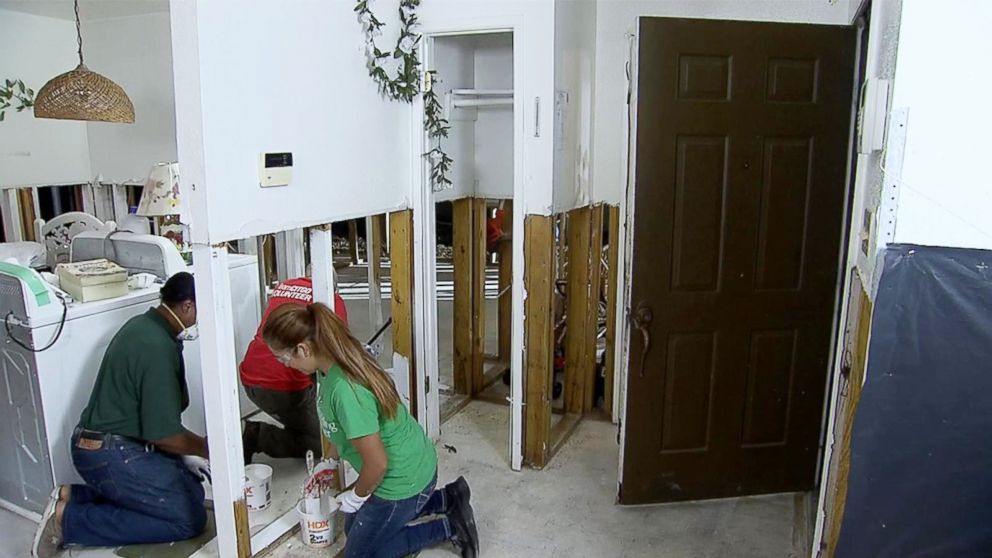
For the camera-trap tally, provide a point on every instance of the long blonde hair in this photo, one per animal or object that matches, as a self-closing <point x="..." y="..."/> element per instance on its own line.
<point x="291" y="324"/>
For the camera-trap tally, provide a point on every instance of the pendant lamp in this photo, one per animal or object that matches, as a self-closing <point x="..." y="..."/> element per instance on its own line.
<point x="82" y="94"/>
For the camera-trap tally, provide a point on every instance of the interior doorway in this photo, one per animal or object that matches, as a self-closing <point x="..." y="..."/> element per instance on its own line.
<point x="469" y="228"/>
<point x="743" y="133"/>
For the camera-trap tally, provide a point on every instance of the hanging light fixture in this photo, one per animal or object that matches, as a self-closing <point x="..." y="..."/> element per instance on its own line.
<point x="82" y="94"/>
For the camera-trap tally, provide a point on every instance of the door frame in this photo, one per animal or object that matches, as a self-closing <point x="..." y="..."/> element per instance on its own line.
<point x="846" y="258"/>
<point x="424" y="251"/>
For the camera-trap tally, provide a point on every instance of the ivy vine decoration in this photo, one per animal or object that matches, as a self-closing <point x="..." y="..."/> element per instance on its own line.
<point x="15" y="90"/>
<point x="404" y="86"/>
<point x="437" y="128"/>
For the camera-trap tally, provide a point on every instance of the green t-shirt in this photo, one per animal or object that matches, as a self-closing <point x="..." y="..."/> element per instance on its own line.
<point x="140" y="391"/>
<point x="348" y="410"/>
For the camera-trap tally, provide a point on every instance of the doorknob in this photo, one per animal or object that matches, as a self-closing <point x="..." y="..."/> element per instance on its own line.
<point x="642" y="320"/>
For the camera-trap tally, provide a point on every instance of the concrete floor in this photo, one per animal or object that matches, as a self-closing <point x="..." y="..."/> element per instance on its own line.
<point x="566" y="510"/>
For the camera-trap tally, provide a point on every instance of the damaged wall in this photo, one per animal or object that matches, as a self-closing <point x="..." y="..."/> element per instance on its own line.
<point x="270" y="76"/>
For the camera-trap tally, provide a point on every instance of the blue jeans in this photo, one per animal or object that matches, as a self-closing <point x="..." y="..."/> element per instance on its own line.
<point x="381" y="527"/>
<point x="132" y="495"/>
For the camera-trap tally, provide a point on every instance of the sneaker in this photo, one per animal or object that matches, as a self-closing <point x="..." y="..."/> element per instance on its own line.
<point x="462" y="521"/>
<point x="249" y="439"/>
<point x="456" y="492"/>
<point x="48" y="537"/>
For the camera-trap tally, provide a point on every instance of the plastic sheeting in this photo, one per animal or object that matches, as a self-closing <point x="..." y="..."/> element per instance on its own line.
<point x="921" y="454"/>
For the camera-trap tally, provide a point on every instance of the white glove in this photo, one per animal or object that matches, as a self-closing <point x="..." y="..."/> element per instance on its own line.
<point x="199" y="466"/>
<point x="351" y="502"/>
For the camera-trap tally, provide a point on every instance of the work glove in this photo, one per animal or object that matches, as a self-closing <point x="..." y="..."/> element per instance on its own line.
<point x="351" y="502"/>
<point x="198" y="466"/>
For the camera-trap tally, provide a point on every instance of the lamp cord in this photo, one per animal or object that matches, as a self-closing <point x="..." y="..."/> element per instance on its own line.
<point x="79" y="33"/>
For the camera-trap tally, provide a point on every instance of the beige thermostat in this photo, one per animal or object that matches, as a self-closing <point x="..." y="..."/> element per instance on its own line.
<point x="275" y="169"/>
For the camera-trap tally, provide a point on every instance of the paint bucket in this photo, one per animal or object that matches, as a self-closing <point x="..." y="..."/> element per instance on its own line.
<point x="317" y="521"/>
<point x="258" y="494"/>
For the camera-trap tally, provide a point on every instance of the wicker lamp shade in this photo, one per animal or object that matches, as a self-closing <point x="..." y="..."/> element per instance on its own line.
<point x="82" y="94"/>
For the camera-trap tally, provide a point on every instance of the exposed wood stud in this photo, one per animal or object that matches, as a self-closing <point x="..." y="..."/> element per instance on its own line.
<point x="505" y="303"/>
<point x="539" y="260"/>
<point x="401" y="256"/>
<point x="845" y="425"/>
<point x="353" y="240"/>
<point x="462" y="326"/>
<point x="591" y="314"/>
<point x="28" y="213"/>
<point x="612" y="282"/>
<point x="374" y="244"/>
<point x="377" y="240"/>
<point x="479" y="214"/>
<point x="577" y="305"/>
<point x="243" y="530"/>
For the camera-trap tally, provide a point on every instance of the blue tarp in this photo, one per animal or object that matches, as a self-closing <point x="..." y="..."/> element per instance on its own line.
<point x="921" y="453"/>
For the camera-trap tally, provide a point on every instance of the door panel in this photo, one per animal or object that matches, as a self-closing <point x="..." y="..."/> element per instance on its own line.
<point x="739" y="195"/>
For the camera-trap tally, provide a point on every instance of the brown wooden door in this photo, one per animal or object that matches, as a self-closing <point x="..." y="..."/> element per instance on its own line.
<point x="742" y="142"/>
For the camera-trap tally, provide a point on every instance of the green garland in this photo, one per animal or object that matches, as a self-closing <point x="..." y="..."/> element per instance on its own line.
<point x="437" y="128"/>
<point x="13" y="90"/>
<point x="405" y="85"/>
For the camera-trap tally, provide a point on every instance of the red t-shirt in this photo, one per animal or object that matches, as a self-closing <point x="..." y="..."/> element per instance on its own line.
<point x="260" y="367"/>
<point x="494" y="230"/>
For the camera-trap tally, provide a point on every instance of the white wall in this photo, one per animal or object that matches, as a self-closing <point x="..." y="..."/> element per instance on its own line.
<point x="267" y="76"/>
<point x="38" y="151"/>
<point x="454" y="61"/>
<point x="575" y="74"/>
<point x="135" y="52"/>
<point x="616" y="18"/>
<point x="942" y="77"/>
<point x="533" y="79"/>
<point x="494" y="125"/>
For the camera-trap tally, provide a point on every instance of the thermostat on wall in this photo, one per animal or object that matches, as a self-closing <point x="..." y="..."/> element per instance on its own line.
<point x="275" y="169"/>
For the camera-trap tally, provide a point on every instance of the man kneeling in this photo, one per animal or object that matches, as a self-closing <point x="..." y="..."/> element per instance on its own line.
<point x="143" y="470"/>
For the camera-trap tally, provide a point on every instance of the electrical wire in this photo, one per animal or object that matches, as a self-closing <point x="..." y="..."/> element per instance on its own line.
<point x="55" y="338"/>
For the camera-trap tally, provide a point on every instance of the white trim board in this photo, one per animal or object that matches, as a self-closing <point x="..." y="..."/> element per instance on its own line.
<point x="425" y="256"/>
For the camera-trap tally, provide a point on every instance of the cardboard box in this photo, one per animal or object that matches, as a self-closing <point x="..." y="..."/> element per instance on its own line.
<point x="93" y="280"/>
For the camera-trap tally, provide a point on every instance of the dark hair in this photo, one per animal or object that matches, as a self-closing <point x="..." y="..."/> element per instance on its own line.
<point x="178" y="289"/>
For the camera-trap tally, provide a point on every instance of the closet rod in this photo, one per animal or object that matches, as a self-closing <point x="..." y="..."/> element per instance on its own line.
<point x="466" y="103"/>
<point x="484" y="92"/>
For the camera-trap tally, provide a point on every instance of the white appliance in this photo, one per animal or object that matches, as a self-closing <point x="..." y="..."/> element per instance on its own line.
<point x="42" y="394"/>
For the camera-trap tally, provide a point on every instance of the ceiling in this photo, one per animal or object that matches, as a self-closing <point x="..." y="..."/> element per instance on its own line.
<point x="88" y="9"/>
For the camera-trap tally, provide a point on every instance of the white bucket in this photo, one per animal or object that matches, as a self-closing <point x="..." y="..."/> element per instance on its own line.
<point x="317" y="521"/>
<point x="258" y="494"/>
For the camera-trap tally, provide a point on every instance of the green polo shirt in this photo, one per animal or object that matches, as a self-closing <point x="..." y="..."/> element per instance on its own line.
<point x="348" y="411"/>
<point x="140" y="391"/>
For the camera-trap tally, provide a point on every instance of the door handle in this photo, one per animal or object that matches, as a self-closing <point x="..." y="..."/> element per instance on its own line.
<point x="642" y="319"/>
